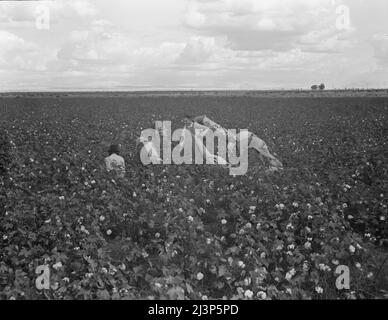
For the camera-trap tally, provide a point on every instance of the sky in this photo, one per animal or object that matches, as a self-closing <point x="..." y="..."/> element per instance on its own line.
<point x="192" y="44"/>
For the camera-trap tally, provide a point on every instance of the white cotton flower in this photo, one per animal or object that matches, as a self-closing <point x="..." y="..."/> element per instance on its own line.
<point x="190" y="218"/>
<point x="335" y="262"/>
<point x="279" y="247"/>
<point x="290" y="274"/>
<point x="109" y="232"/>
<point x="102" y="218"/>
<point x="358" y="265"/>
<point x="84" y="230"/>
<point x="319" y="289"/>
<point x="262" y="295"/>
<point x="295" y="204"/>
<point x="352" y="249"/>
<point x="307" y="245"/>
<point x="241" y="264"/>
<point x="200" y="276"/>
<point x="289" y="291"/>
<point x="224" y="221"/>
<point x="247" y="281"/>
<point x="248" y="294"/>
<point x="58" y="265"/>
<point x="324" y="267"/>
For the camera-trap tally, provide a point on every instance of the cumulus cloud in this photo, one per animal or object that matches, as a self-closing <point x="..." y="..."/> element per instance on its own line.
<point x="24" y="14"/>
<point x="380" y="47"/>
<point x="198" y="50"/>
<point x="193" y="43"/>
<point x="17" y="53"/>
<point x="259" y="25"/>
<point x="101" y="47"/>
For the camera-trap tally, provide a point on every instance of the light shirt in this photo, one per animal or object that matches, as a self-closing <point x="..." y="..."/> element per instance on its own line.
<point x="115" y="163"/>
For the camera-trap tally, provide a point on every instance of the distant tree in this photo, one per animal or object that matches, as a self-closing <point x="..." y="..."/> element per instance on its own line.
<point x="314" y="87"/>
<point x="322" y="86"/>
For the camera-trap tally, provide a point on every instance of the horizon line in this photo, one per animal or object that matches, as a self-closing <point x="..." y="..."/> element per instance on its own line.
<point x="183" y="90"/>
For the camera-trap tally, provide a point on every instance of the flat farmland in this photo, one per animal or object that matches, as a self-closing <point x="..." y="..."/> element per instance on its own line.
<point x="194" y="232"/>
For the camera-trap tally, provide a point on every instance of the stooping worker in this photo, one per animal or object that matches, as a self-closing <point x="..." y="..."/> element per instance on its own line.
<point x="254" y="142"/>
<point x="114" y="162"/>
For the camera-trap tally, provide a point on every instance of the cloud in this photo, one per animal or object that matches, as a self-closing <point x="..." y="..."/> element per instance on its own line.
<point x="24" y="14"/>
<point x="198" y="50"/>
<point x="379" y="44"/>
<point x="260" y="25"/>
<point x="83" y="8"/>
<point x="17" y="53"/>
<point x="101" y="47"/>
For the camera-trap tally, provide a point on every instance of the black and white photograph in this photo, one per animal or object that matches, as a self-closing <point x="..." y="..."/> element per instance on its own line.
<point x="208" y="152"/>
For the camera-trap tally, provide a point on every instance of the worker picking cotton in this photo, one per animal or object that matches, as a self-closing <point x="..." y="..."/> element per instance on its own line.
<point x="114" y="162"/>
